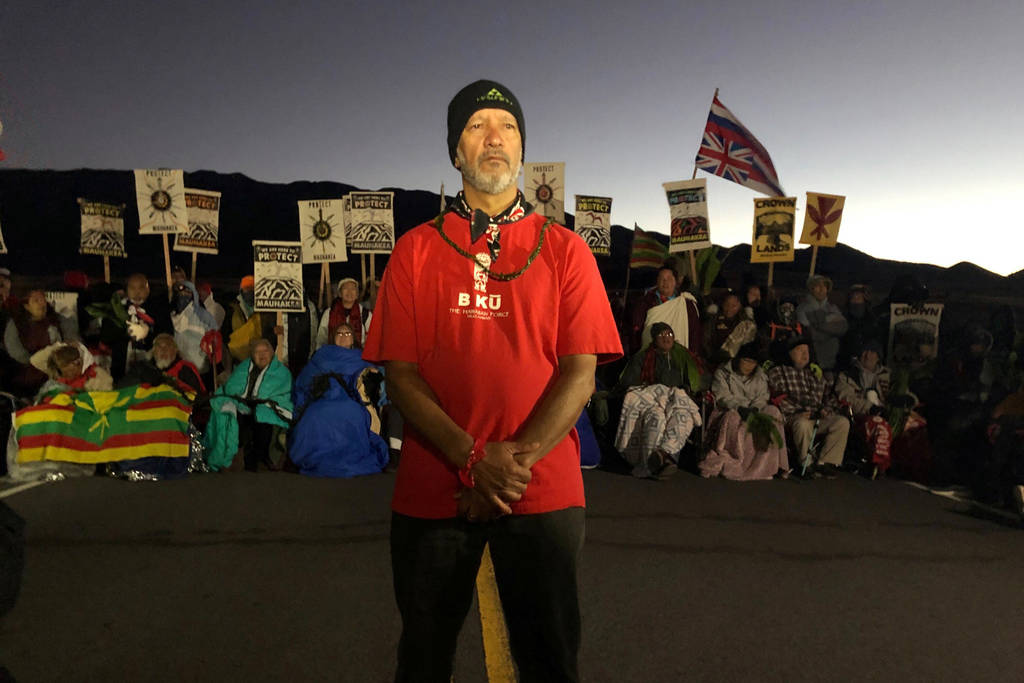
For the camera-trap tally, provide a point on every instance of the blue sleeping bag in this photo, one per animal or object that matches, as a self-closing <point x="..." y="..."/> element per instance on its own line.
<point x="333" y="437"/>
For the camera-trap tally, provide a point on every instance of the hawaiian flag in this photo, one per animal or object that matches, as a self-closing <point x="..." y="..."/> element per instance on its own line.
<point x="647" y="251"/>
<point x="105" y="426"/>
<point x="731" y="151"/>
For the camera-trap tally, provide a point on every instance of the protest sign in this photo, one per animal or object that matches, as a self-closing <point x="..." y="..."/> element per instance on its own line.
<point x="821" y="221"/>
<point x="773" y="230"/>
<point x="688" y="208"/>
<point x="277" y="269"/>
<point x="322" y="231"/>
<point x="102" y="228"/>
<point x="203" y="211"/>
<point x="544" y="187"/>
<point x="160" y="194"/>
<point x="913" y="333"/>
<point x="373" y="222"/>
<point x="65" y="304"/>
<point x="594" y="222"/>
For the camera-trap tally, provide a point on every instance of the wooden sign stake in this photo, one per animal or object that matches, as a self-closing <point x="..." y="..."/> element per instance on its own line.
<point x="814" y="258"/>
<point x="106" y="269"/>
<point x="167" y="264"/>
<point x="195" y="257"/>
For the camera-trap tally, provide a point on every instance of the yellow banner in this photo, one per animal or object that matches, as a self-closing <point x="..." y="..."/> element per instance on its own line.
<point x="773" y="230"/>
<point x="821" y="221"/>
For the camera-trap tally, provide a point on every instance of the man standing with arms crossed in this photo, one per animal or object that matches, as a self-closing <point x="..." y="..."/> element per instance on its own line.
<point x="490" y="322"/>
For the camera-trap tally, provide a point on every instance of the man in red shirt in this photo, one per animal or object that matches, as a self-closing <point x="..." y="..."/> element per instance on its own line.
<point x="490" y="322"/>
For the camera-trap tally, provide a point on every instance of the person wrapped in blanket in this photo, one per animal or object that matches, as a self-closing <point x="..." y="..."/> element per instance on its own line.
<point x="746" y="433"/>
<point x="250" y="413"/>
<point x="69" y="366"/>
<point x="337" y="430"/>
<point x="657" y="413"/>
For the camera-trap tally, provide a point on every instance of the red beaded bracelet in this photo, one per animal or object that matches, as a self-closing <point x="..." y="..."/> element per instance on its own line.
<point x="475" y="456"/>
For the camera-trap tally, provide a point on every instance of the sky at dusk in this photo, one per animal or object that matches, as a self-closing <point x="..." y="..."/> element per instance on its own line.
<point x="911" y="109"/>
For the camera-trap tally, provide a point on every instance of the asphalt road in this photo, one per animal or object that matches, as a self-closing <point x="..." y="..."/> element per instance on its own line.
<point x="276" y="577"/>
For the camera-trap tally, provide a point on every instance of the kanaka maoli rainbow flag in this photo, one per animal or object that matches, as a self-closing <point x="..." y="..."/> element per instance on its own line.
<point x="105" y="426"/>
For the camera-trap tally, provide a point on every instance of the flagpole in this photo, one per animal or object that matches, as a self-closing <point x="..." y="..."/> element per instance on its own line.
<point x="693" y="257"/>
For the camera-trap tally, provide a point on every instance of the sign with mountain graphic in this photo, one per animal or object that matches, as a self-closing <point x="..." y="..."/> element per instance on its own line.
<point x="102" y="228"/>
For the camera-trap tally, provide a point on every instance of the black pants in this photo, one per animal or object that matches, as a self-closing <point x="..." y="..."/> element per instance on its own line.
<point x="435" y="564"/>
<point x="254" y="438"/>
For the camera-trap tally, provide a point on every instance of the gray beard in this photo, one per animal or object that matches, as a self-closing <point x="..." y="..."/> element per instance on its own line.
<point x="162" y="364"/>
<point x="488" y="183"/>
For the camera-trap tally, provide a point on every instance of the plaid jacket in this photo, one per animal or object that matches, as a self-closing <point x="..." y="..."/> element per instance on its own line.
<point x="801" y="390"/>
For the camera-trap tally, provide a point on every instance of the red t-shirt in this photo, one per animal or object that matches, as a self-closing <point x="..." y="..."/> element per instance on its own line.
<point x="489" y="349"/>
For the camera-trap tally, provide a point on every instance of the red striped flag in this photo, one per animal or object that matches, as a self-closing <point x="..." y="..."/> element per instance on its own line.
<point x="647" y="251"/>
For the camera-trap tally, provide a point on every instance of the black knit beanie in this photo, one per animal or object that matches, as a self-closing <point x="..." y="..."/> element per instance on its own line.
<point x="477" y="96"/>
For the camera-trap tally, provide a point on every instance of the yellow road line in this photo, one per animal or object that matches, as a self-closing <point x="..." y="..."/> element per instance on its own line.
<point x="497" y="655"/>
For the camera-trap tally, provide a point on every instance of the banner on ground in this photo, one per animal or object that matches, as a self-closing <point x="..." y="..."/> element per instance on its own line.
<point x="203" y="210"/>
<point x="647" y="251"/>
<point x="594" y="222"/>
<point x="913" y="333"/>
<point x="373" y="222"/>
<point x="688" y="208"/>
<point x="544" y="187"/>
<point x="322" y="230"/>
<point x="102" y="228"/>
<point x="105" y="426"/>
<point x="821" y="221"/>
<point x="773" y="239"/>
<point x="161" y="198"/>
<point x="277" y="269"/>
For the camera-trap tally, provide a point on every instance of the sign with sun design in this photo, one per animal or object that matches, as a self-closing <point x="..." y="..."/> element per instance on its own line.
<point x="688" y="210"/>
<point x="161" y="197"/>
<point x="102" y="228"/>
<point x="821" y="221"/>
<point x="544" y="187"/>
<point x="203" y="210"/>
<point x="277" y="269"/>
<point x="594" y="223"/>
<point x="373" y="222"/>
<point x="322" y="231"/>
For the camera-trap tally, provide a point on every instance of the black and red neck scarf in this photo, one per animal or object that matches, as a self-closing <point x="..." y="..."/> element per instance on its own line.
<point x="480" y="223"/>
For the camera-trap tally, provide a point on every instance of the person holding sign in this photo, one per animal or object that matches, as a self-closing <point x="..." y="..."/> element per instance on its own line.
<point x="490" y="322"/>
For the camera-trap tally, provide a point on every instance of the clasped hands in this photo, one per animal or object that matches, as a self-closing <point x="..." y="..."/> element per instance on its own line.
<point x="500" y="479"/>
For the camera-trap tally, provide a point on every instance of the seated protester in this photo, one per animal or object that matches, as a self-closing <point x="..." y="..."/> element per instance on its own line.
<point x="822" y="320"/>
<point x="783" y="327"/>
<point x="297" y="333"/>
<point x="211" y="305"/>
<point x="740" y="449"/>
<point x="657" y="414"/>
<point x="244" y="325"/>
<point x="727" y="330"/>
<point x="809" y="407"/>
<point x="864" y="387"/>
<point x="1002" y="480"/>
<point x="863" y="325"/>
<point x="146" y="317"/>
<point x="334" y="433"/>
<point x="70" y="366"/>
<point x="755" y="305"/>
<point x="666" y="304"/>
<point x="31" y="328"/>
<point x="249" y="411"/>
<point x="191" y="322"/>
<point x="345" y="309"/>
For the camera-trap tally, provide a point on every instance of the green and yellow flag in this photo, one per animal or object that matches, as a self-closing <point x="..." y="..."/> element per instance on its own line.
<point x="105" y="426"/>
